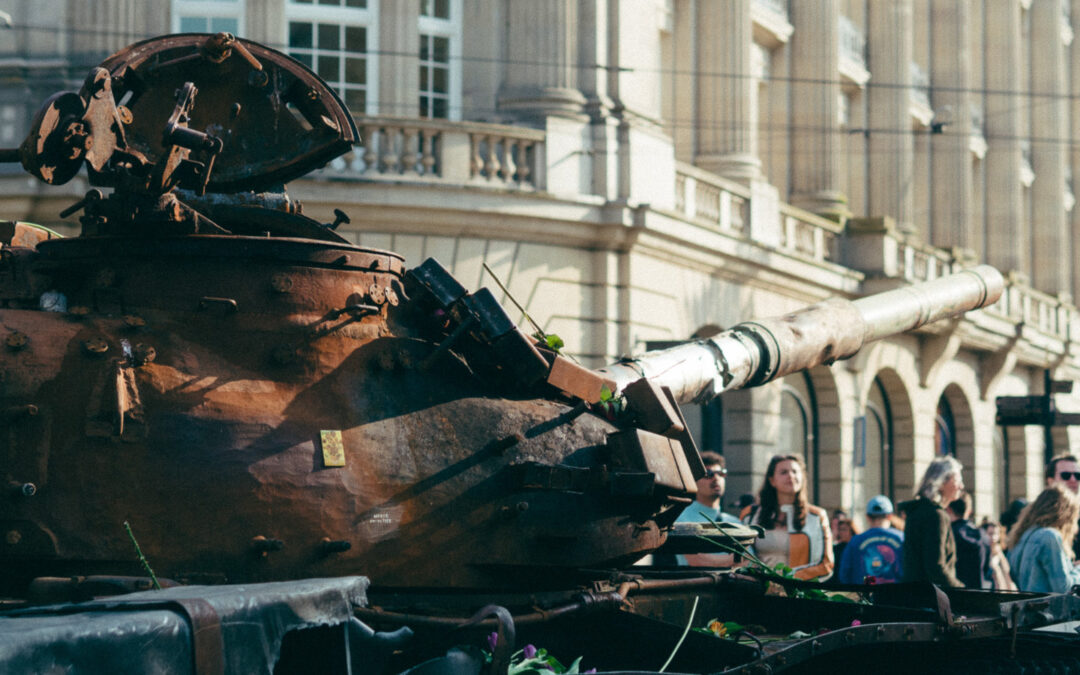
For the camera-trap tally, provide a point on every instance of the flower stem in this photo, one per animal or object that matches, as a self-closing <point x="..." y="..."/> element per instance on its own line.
<point x="693" y="610"/>
<point x="142" y="558"/>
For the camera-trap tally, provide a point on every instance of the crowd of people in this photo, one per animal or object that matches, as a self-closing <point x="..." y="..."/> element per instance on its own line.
<point x="929" y="538"/>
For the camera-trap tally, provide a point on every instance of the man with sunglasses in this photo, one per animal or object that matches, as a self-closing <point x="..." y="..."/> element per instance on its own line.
<point x="708" y="507"/>
<point x="1064" y="470"/>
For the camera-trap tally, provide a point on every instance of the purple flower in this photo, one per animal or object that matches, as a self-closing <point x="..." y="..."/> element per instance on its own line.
<point x="856" y="622"/>
<point x="530" y="651"/>
<point x="492" y="640"/>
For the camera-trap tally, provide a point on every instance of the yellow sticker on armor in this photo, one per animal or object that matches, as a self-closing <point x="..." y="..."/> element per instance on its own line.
<point x="333" y="450"/>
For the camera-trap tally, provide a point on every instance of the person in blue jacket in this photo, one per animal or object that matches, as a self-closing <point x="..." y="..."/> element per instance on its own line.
<point x="1040" y="545"/>
<point x="707" y="508"/>
<point x="876" y="552"/>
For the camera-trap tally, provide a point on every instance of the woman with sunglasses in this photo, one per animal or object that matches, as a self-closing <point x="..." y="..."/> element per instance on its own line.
<point x="1040" y="545"/>
<point x="797" y="533"/>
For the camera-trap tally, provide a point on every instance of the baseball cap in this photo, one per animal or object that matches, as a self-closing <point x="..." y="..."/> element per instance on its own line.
<point x="879" y="506"/>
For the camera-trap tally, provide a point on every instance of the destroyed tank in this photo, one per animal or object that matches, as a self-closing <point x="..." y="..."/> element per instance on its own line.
<point x="262" y="400"/>
<point x="209" y="383"/>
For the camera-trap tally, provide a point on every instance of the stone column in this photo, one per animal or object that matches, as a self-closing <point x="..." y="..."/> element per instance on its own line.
<point x="399" y="47"/>
<point x="727" y="91"/>
<point x="1006" y="223"/>
<point x="264" y="22"/>
<point x="1051" y="253"/>
<point x="891" y="149"/>
<point x="542" y="58"/>
<point x="951" y="190"/>
<point x="815" y="93"/>
<point x="751" y="430"/>
<point x="1074" y="117"/>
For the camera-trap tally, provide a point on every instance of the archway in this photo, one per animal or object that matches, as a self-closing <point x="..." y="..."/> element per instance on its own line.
<point x="888" y="418"/>
<point x="954" y="430"/>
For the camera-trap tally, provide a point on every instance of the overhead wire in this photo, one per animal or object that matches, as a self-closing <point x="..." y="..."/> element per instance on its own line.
<point x="693" y="123"/>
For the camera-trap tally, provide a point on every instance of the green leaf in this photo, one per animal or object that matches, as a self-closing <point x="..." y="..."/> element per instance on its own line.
<point x="605" y="394"/>
<point x="554" y="342"/>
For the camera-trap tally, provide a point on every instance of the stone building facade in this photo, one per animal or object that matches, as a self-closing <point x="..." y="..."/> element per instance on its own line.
<point x="638" y="172"/>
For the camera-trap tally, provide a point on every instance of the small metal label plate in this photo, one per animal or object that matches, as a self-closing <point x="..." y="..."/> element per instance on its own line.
<point x="333" y="450"/>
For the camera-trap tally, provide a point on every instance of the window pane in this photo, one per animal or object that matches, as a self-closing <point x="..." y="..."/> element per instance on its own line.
<point x="329" y="36"/>
<point x="222" y="24"/>
<point x="303" y="58"/>
<point x="440" y="77"/>
<point x="442" y="50"/>
<point x="423" y="106"/>
<point x="355" y="100"/>
<point x="356" y="3"/>
<point x="355" y="71"/>
<point x="439" y="109"/>
<point x="439" y="9"/>
<point x="192" y="24"/>
<point x="300" y="35"/>
<point x="423" y="78"/>
<point x="330" y="2"/>
<point x="425" y="47"/>
<point x="328" y="68"/>
<point x="355" y="39"/>
<point x="301" y="2"/>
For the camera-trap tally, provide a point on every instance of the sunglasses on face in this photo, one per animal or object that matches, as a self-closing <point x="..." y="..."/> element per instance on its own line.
<point x="1069" y="475"/>
<point x="709" y="473"/>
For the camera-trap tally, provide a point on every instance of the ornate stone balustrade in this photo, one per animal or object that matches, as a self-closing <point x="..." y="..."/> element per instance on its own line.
<point x="1048" y="313"/>
<point x="921" y="262"/>
<point x="707" y="199"/>
<point x="393" y="148"/>
<point x="809" y="234"/>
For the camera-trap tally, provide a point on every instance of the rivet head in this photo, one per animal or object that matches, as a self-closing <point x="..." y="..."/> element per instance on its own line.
<point x="392" y="297"/>
<point x="376" y="293"/>
<point x="16" y="340"/>
<point x="95" y="346"/>
<point x="124" y="113"/>
<point x="144" y="353"/>
<point x="12" y="537"/>
<point x="281" y="283"/>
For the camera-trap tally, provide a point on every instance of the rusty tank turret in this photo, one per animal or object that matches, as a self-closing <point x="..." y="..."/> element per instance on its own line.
<point x="261" y="399"/>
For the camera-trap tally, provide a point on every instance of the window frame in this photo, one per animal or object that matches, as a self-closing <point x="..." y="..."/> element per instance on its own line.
<point x="209" y="9"/>
<point x="452" y="30"/>
<point x="367" y="18"/>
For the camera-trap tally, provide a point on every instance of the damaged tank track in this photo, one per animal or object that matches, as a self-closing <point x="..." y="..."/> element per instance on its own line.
<point x="275" y="412"/>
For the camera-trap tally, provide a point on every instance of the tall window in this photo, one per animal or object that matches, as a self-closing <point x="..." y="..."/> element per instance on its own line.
<point x="873" y="460"/>
<point x="208" y="16"/>
<point x="335" y="39"/>
<point x="440" y="58"/>
<point x="945" y="429"/>
<point x="798" y="422"/>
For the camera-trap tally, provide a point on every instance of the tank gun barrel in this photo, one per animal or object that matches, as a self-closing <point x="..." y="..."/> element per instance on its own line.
<point x="755" y="352"/>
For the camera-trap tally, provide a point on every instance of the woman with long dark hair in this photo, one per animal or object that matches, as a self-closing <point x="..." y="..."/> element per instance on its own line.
<point x="797" y="533"/>
<point x="1040" y="545"/>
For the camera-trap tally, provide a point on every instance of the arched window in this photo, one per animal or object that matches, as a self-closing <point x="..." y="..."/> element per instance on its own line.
<point x="872" y="464"/>
<point x="798" y="426"/>
<point x="944" y="429"/>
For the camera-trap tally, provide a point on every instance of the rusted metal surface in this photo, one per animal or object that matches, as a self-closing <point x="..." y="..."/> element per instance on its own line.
<point x="757" y="352"/>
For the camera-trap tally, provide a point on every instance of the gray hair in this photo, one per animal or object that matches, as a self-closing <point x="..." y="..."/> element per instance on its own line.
<point x="936" y="475"/>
